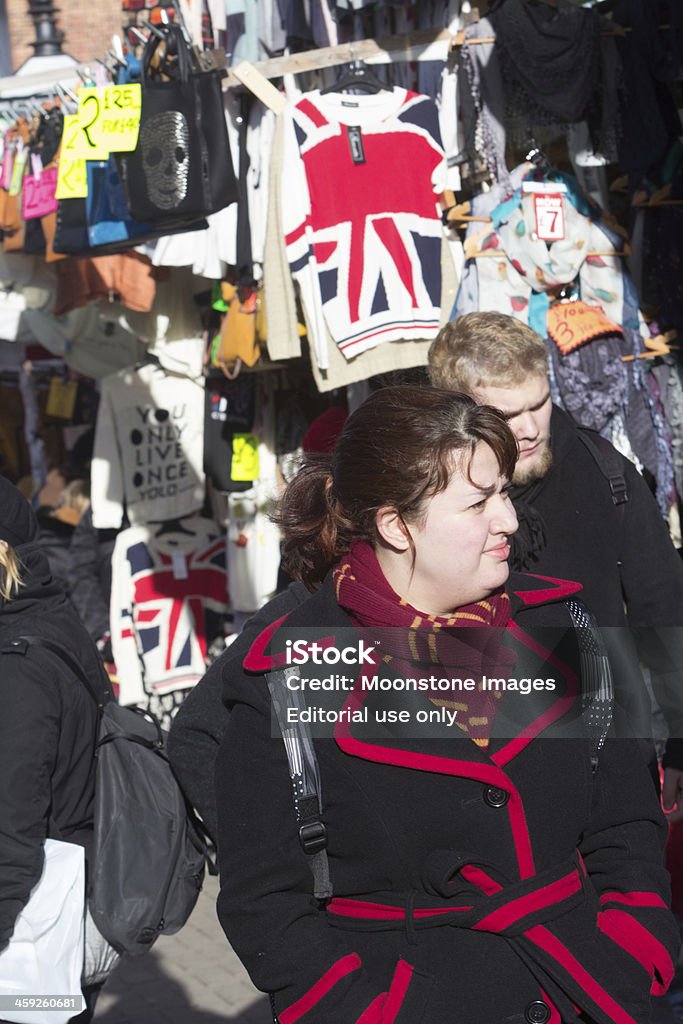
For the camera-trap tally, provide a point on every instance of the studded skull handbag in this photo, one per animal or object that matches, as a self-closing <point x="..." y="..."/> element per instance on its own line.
<point x="182" y="165"/>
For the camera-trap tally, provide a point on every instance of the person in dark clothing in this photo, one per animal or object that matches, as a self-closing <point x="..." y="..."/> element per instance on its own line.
<point x="504" y="865"/>
<point x="622" y="555"/>
<point x="89" y="578"/>
<point x="197" y="728"/>
<point x="48" y="722"/>
<point x="57" y="525"/>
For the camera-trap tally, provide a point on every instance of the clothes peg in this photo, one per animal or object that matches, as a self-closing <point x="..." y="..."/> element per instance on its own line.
<point x="135" y="31"/>
<point x="657" y="346"/>
<point x="153" y="29"/>
<point x="119" y="62"/>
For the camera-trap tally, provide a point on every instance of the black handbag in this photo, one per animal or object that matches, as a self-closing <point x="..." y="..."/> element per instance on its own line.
<point x="182" y="165"/>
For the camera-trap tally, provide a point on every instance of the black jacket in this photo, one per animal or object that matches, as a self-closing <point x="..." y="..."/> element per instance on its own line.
<point x="89" y="574"/>
<point x="54" y="540"/>
<point x="48" y="727"/>
<point x="500" y="885"/>
<point x="623" y="556"/>
<point x="198" y="726"/>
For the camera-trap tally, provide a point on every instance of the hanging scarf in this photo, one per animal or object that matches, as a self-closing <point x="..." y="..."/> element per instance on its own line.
<point x="456" y="642"/>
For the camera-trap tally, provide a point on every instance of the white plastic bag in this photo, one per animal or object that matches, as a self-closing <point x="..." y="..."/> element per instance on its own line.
<point x="44" y="960"/>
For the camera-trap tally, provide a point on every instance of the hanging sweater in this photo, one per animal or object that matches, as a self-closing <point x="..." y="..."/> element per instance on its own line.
<point x="149" y="443"/>
<point x="168" y="602"/>
<point x="362" y="227"/>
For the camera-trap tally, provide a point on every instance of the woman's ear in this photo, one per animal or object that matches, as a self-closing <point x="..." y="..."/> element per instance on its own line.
<point x="392" y="529"/>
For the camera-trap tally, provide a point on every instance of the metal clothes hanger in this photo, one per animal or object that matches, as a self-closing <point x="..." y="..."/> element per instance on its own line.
<point x="357" y="75"/>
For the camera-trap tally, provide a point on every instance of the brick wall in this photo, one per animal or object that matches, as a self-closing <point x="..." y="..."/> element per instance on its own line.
<point x="88" y="26"/>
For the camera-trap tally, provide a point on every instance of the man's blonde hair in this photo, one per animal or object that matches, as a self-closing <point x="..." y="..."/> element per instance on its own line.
<point x="10" y="572"/>
<point x="485" y="350"/>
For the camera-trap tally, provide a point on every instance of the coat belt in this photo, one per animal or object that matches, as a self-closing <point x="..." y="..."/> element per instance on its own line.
<point x="464" y="892"/>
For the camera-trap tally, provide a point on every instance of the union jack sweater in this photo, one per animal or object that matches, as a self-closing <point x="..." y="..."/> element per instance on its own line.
<point x="360" y="215"/>
<point x="169" y="600"/>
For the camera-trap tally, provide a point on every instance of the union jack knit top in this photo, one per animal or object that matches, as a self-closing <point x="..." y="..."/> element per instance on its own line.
<point x="360" y="215"/>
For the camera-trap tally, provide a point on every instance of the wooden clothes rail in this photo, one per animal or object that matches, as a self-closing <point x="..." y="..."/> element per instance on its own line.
<point x="425" y="44"/>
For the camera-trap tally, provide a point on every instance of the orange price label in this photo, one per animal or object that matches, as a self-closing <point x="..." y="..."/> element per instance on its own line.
<point x="571" y="324"/>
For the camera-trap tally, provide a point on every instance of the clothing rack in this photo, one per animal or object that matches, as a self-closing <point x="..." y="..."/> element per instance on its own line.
<point x="425" y="44"/>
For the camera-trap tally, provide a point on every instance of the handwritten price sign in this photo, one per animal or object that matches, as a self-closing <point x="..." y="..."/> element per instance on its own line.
<point x="109" y="121"/>
<point x="549" y="213"/>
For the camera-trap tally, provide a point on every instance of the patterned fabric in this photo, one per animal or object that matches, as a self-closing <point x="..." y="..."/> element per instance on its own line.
<point x="456" y="642"/>
<point x="514" y="272"/>
<point x="169" y="601"/>
<point x="363" y="242"/>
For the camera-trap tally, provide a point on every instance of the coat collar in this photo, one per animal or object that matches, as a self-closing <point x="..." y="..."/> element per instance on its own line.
<point x="322" y="613"/>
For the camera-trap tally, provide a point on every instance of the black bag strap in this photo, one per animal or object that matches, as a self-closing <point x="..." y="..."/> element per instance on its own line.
<point x="609" y="463"/>
<point x="596" y="678"/>
<point x="172" y="37"/>
<point x="305" y="777"/>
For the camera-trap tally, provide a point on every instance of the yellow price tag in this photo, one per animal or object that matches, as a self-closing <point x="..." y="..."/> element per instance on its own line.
<point x="18" y="169"/>
<point x="76" y="143"/>
<point x="245" y="464"/>
<point x="109" y="118"/>
<point x="72" y="179"/>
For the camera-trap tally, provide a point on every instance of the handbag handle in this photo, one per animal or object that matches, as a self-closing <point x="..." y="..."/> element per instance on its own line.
<point x="175" y="44"/>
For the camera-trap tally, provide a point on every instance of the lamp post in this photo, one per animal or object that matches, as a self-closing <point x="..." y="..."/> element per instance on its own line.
<point x="48" y="42"/>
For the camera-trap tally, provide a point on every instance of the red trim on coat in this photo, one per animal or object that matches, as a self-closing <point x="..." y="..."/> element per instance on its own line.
<point x="403" y="975"/>
<point x="560" y="589"/>
<point x="486" y="773"/>
<point x="490" y="774"/>
<point x="560" y="707"/>
<point x="256" y="660"/>
<point x="373" y="1014"/>
<point x="554" y="1012"/>
<point x="548" y="942"/>
<point x="336" y="972"/>
<point x="547" y="896"/>
<point x="635" y="899"/>
<point x="347" y="907"/>
<point x="477" y="876"/>
<point x="635" y="939"/>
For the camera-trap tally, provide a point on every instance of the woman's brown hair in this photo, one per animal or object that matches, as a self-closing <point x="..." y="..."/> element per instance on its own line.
<point x="396" y="450"/>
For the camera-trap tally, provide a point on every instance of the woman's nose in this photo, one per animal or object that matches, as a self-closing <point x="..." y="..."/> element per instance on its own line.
<point x="504" y="518"/>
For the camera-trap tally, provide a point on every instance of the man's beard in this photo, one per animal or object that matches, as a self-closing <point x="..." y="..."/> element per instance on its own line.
<point x="524" y="475"/>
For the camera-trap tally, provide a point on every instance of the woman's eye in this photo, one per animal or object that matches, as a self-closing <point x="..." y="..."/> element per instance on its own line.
<point x="479" y="504"/>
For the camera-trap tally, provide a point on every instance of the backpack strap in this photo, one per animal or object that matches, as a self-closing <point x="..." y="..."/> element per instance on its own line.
<point x="304" y="773"/>
<point x="596" y="677"/>
<point x="609" y="463"/>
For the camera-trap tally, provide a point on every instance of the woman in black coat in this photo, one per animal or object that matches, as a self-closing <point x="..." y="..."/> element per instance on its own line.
<point x="484" y="853"/>
<point x="48" y="722"/>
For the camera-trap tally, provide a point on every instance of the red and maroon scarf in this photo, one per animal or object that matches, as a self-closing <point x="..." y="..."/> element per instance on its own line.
<point x="456" y="642"/>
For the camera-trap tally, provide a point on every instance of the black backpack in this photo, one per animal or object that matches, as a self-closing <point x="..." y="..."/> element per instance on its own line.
<point x="149" y="853"/>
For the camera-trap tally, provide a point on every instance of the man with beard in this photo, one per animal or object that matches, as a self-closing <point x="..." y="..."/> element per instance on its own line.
<point x="585" y="514"/>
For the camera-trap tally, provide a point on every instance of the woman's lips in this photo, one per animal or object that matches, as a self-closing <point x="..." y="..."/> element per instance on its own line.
<point x="501" y="551"/>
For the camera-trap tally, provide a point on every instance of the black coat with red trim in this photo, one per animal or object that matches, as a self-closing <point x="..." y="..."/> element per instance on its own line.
<point x="471" y="886"/>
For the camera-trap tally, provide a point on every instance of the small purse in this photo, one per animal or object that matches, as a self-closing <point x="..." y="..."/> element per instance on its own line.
<point x="44" y="958"/>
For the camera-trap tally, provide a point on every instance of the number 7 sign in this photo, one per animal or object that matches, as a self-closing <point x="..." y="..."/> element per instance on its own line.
<point x="549" y="213"/>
